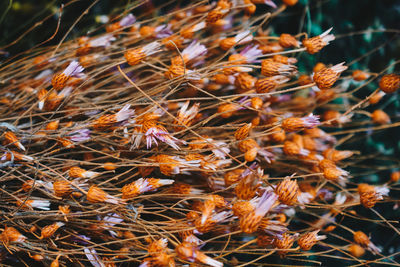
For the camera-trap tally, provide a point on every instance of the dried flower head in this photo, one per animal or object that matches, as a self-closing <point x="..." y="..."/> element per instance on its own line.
<point x="315" y="44"/>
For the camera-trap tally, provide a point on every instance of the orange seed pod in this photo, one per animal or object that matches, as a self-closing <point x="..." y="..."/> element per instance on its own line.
<point x="288" y="191"/>
<point x="49" y="230"/>
<point x="243" y="132"/>
<point x="380" y="117"/>
<point x="389" y="83"/>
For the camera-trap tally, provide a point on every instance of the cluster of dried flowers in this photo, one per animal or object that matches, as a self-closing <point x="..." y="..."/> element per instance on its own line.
<point x="190" y="138"/>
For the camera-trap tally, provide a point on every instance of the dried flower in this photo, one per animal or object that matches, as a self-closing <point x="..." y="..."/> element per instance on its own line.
<point x="11" y="138"/>
<point x="326" y="77"/>
<point x="60" y="80"/>
<point x="288" y="191"/>
<point x="288" y="41"/>
<point x="315" y="44"/>
<point x="269" y="67"/>
<point x="362" y="239"/>
<point x="389" y="83"/>
<point x="143" y="185"/>
<point x="97" y="195"/>
<point x="251" y="221"/>
<point x="49" y="230"/>
<point x="240" y="38"/>
<point x="136" y="56"/>
<point x="308" y="240"/>
<point x="298" y="124"/>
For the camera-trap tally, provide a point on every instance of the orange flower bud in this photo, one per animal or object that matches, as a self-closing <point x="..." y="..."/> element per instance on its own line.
<point x="11" y="138"/>
<point x="232" y="177"/>
<point x="49" y="230"/>
<point x="214" y="15"/>
<point x="284" y="243"/>
<point x="97" y="195"/>
<point x="10" y="234"/>
<point x="336" y="155"/>
<point x="256" y="103"/>
<point x="271" y="48"/>
<point x="359" y="75"/>
<point x="326" y="77"/>
<point x="62" y="188"/>
<point x="52" y="126"/>
<point x="395" y="176"/>
<point x="356" y="250"/>
<point x="134" y="56"/>
<point x="241" y="208"/>
<point x="109" y="166"/>
<point x="288" y="191"/>
<point x="247" y="144"/>
<point x="147" y="31"/>
<point x="269" y="67"/>
<point x="268" y="84"/>
<point x="298" y="124"/>
<point x="288" y="41"/>
<point x="389" y="83"/>
<point x="376" y="97"/>
<point x="284" y="60"/>
<point x="308" y="240"/>
<point x="278" y="135"/>
<point x="315" y="44"/>
<point x="292" y="149"/>
<point x="368" y="199"/>
<point x="290" y="2"/>
<point x="175" y="71"/>
<point x="304" y="80"/>
<point x="361" y="238"/>
<point x="380" y="117"/>
<point x="250" y="7"/>
<point x="244" y="82"/>
<point x="227" y="110"/>
<point x="173" y="42"/>
<point x="243" y="132"/>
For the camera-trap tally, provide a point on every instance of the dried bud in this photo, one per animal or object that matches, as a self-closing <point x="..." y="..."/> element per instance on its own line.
<point x="336" y="155"/>
<point x="10" y="235"/>
<point x="308" y="240"/>
<point x="97" y="195"/>
<point x="232" y="177"/>
<point x="49" y="230"/>
<point x="356" y="250"/>
<point x="227" y="110"/>
<point x="256" y="102"/>
<point x="315" y="44"/>
<point x="368" y="199"/>
<point x="52" y="126"/>
<point x="380" y="117"/>
<point x="395" y="176"/>
<point x="243" y="132"/>
<point x="269" y="67"/>
<point x="288" y="191"/>
<point x="319" y="66"/>
<point x="268" y="84"/>
<point x="326" y="77"/>
<point x="244" y="82"/>
<point x="283" y="243"/>
<point x="290" y="2"/>
<point x="389" y="83"/>
<point x="288" y="41"/>
<point x="298" y="124"/>
<point x="62" y="188"/>
<point x="11" y="138"/>
<point x="359" y="75"/>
